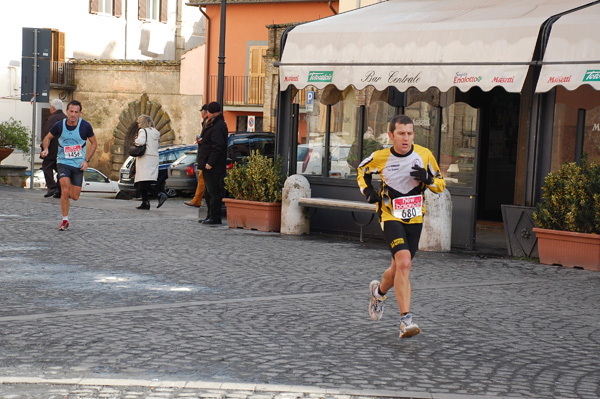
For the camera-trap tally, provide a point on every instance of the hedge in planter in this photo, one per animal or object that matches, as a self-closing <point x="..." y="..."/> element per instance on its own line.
<point x="13" y="135"/>
<point x="256" y="186"/>
<point x="258" y="178"/>
<point x="568" y="218"/>
<point x="571" y="199"/>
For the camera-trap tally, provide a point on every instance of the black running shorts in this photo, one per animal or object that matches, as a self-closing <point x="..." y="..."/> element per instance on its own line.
<point x="74" y="174"/>
<point x="401" y="236"/>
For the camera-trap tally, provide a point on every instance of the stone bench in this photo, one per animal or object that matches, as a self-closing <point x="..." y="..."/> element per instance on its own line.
<point x="342" y="205"/>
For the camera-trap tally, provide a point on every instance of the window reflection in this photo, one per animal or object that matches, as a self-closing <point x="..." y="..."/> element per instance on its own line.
<point x="458" y="144"/>
<point x="591" y="137"/>
<point x="563" y="139"/>
<point x="426" y="120"/>
<point x="342" y="133"/>
<point x="310" y="150"/>
<point x="564" y="130"/>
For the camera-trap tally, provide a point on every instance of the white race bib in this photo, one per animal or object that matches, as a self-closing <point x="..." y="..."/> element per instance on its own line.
<point x="73" y="151"/>
<point x="408" y="207"/>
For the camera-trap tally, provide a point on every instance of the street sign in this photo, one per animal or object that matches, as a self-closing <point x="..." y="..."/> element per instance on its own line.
<point x="310" y="98"/>
<point x="35" y="65"/>
<point x="251" y="121"/>
<point x="44" y="42"/>
<point x="43" y="79"/>
<point x="35" y="77"/>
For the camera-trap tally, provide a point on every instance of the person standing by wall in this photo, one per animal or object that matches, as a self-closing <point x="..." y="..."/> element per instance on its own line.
<point x="146" y="166"/>
<point x="73" y="157"/>
<point x="49" y="164"/>
<point x="197" y="200"/>
<point x="212" y="160"/>
<point x="406" y="170"/>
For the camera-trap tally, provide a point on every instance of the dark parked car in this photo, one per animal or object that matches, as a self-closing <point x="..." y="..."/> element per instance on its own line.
<point x="182" y="173"/>
<point x="166" y="156"/>
<point x="241" y="144"/>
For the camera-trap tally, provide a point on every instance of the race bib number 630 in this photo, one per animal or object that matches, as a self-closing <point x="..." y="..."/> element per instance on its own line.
<point x="408" y="207"/>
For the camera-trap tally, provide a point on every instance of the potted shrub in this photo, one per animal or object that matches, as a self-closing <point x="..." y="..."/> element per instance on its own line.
<point x="256" y="186"/>
<point x="568" y="217"/>
<point x="13" y="135"/>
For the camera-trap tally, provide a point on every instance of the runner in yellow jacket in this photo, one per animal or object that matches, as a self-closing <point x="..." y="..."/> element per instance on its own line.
<point x="406" y="170"/>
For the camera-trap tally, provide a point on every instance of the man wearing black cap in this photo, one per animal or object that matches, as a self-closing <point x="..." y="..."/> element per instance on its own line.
<point x="212" y="159"/>
<point x="197" y="200"/>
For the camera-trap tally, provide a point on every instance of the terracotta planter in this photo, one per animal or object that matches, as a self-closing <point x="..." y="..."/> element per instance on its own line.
<point x="569" y="249"/>
<point x="253" y="215"/>
<point x="5" y="152"/>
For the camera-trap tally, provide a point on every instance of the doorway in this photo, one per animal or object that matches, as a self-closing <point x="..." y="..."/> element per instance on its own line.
<point x="497" y="166"/>
<point x="498" y="154"/>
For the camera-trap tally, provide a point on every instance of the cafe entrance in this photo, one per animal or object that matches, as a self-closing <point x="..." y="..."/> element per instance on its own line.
<point x="474" y="138"/>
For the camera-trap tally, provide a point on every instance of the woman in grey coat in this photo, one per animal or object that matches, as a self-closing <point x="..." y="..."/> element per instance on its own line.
<point x="146" y="166"/>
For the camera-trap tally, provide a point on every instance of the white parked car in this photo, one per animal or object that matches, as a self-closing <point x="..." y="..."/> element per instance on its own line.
<point x="94" y="181"/>
<point x="309" y="160"/>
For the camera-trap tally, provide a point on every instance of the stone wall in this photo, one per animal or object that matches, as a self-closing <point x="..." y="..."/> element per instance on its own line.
<point x="114" y="93"/>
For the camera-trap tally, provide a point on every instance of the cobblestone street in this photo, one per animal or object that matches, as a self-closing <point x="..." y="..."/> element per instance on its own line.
<point x="152" y="304"/>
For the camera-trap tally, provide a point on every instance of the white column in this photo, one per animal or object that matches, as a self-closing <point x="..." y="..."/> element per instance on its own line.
<point x="437" y="223"/>
<point x="293" y="217"/>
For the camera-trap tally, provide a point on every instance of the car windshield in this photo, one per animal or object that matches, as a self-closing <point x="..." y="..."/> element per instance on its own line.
<point x="92" y="175"/>
<point x="264" y="145"/>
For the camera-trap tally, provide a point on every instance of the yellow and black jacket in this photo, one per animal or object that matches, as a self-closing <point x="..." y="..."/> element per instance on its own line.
<point x="397" y="182"/>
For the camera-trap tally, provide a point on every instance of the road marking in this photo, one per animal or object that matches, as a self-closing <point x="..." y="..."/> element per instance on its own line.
<point x="123" y="309"/>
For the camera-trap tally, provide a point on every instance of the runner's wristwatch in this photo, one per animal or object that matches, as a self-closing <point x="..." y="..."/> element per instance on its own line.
<point x="87" y="160"/>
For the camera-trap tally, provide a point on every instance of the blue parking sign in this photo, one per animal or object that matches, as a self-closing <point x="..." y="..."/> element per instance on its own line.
<point x="310" y="97"/>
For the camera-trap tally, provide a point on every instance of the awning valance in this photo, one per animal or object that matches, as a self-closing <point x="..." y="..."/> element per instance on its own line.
<point x="572" y="56"/>
<point x="420" y="43"/>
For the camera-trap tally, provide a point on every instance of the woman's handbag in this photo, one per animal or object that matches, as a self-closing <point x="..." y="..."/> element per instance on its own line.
<point x="138" y="150"/>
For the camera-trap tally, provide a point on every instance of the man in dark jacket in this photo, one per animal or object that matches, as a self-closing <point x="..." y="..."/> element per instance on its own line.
<point x="49" y="162"/>
<point x="197" y="200"/>
<point x="212" y="159"/>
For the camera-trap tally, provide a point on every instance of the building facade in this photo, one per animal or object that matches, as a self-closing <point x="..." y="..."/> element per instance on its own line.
<point x="502" y="92"/>
<point x="247" y="90"/>
<point x="137" y="47"/>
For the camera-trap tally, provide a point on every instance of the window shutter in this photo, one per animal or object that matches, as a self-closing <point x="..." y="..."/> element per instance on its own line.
<point x="61" y="46"/>
<point x="164" y="11"/>
<point x="94" y="7"/>
<point x="256" y="78"/>
<point x="118" y="8"/>
<point x="142" y="9"/>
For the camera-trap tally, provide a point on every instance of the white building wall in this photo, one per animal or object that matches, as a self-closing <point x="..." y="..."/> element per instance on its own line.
<point x="87" y="36"/>
<point x="347" y="5"/>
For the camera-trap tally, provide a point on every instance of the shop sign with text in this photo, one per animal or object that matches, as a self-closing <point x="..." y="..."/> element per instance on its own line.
<point x="320" y="76"/>
<point x="592" y="75"/>
<point x="393" y="77"/>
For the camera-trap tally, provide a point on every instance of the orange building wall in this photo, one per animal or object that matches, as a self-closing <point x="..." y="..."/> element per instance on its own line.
<point x="247" y="22"/>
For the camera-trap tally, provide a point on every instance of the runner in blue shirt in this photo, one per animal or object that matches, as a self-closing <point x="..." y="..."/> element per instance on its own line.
<point x="73" y="133"/>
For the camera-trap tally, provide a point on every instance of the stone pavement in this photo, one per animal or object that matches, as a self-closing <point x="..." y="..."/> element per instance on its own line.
<point x="151" y="304"/>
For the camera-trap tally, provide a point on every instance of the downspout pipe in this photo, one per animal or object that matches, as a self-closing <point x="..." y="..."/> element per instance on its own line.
<point x="206" y="53"/>
<point x="331" y="7"/>
<point x="179" y="41"/>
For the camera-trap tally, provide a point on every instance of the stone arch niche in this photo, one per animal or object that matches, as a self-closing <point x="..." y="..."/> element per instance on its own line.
<point x="126" y="130"/>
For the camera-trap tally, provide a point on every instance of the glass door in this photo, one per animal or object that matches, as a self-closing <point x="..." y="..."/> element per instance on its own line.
<point x="458" y="163"/>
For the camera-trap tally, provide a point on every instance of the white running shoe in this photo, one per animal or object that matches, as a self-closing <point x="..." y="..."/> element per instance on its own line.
<point x="407" y="327"/>
<point x="376" y="302"/>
